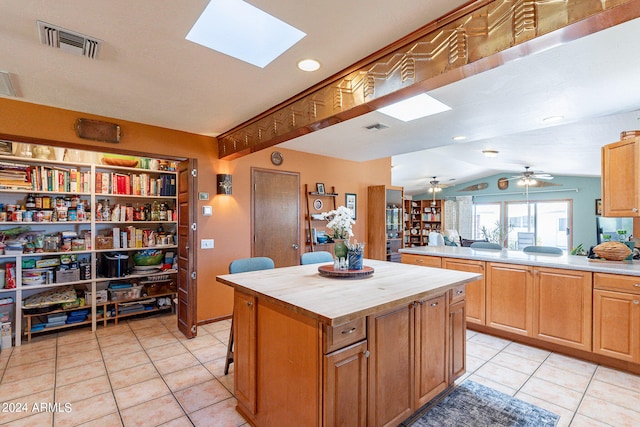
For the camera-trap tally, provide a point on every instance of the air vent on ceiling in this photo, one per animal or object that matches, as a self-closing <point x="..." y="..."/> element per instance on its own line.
<point x="69" y="41"/>
<point x="376" y="127"/>
<point x="6" y="85"/>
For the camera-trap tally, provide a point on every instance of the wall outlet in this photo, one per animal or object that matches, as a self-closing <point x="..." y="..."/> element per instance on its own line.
<point x="206" y="243"/>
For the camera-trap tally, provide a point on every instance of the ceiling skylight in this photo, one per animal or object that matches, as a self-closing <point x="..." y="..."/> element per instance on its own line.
<point x="243" y="31"/>
<point x="414" y="108"/>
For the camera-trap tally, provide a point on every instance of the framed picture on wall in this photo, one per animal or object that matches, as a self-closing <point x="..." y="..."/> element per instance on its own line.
<point x="350" y="202"/>
<point x="598" y="206"/>
<point x="320" y="188"/>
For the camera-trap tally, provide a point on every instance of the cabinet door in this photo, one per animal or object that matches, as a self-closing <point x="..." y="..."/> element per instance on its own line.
<point x="509" y="298"/>
<point x="475" y="291"/>
<point x="391" y="342"/>
<point x="457" y="339"/>
<point x="620" y="178"/>
<point x="562" y="307"/>
<point x="431" y="367"/>
<point x="616" y="325"/>
<point x="345" y="387"/>
<point x="244" y="332"/>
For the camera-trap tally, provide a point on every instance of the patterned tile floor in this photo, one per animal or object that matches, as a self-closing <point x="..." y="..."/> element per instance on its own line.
<point x="145" y="373"/>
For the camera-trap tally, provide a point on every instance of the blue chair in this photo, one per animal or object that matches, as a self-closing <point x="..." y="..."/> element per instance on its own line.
<point x="544" y="250"/>
<point x="243" y="265"/>
<point x="315" y="257"/>
<point x="486" y="245"/>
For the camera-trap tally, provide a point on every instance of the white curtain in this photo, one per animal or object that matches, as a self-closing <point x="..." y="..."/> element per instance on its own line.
<point x="458" y="215"/>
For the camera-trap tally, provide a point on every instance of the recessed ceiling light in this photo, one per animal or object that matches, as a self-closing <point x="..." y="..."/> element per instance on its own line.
<point x="309" y="65"/>
<point x="552" y="119"/>
<point x="459" y="138"/>
<point x="243" y="31"/>
<point x="414" y="108"/>
<point x="490" y="153"/>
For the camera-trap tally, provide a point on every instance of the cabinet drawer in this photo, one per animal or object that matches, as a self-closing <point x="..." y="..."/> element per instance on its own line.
<point x="343" y="335"/>
<point x="458" y="293"/>
<point x="427" y="261"/>
<point x="616" y="282"/>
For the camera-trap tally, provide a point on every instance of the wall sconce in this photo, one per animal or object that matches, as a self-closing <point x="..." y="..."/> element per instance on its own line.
<point x="224" y="183"/>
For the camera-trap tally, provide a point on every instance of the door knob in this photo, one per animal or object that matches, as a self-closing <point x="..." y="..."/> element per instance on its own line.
<point x="295" y="246"/>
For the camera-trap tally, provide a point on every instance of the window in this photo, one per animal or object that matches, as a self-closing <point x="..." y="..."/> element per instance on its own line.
<point x="539" y="223"/>
<point x="487" y="216"/>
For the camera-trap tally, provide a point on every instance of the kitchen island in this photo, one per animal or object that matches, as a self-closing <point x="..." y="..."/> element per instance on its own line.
<point x="318" y="351"/>
<point x="565" y="303"/>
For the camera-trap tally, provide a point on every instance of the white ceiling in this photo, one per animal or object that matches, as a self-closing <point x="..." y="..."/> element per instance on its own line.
<point x="147" y="72"/>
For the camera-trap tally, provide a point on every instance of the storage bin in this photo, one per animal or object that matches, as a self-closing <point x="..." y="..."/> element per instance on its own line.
<point x="126" y="293"/>
<point x="64" y="276"/>
<point x="101" y="296"/>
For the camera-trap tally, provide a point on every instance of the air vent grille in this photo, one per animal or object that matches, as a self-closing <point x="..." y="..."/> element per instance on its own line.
<point x="69" y="41"/>
<point x="376" y="127"/>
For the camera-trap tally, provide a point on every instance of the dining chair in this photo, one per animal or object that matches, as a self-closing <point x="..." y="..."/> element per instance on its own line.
<point x="243" y="265"/>
<point x="550" y="250"/>
<point x="315" y="257"/>
<point x="486" y="245"/>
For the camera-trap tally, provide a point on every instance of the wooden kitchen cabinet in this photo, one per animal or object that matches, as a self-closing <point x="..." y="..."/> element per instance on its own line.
<point x="509" y="297"/>
<point x="562" y="301"/>
<point x="345" y="387"/>
<point x="621" y="178"/>
<point x="425" y="261"/>
<point x="414" y="350"/>
<point x="475" y="291"/>
<point x="616" y="316"/>
<point x="391" y="342"/>
<point x="244" y="332"/>
<point x="431" y="367"/>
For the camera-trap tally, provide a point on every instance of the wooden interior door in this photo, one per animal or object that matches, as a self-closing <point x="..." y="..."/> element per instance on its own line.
<point x="187" y="189"/>
<point x="276" y="216"/>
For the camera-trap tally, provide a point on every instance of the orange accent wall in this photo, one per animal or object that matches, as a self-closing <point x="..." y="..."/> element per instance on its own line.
<point x="230" y="224"/>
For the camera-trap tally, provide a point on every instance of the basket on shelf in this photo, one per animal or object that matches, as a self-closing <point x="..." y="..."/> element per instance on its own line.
<point x="612" y="251"/>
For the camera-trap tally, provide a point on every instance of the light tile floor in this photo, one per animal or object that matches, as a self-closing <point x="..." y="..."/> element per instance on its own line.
<point x="145" y="373"/>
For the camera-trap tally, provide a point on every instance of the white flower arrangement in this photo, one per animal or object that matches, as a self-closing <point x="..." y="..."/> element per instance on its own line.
<point x="340" y="221"/>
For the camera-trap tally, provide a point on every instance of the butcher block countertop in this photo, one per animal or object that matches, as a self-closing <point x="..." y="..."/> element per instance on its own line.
<point x="334" y="301"/>
<point x="569" y="262"/>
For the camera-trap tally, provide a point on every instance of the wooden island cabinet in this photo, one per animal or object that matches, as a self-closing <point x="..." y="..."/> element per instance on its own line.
<point x="319" y="351"/>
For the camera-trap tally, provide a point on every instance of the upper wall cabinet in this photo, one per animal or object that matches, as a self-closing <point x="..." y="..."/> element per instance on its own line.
<point x="621" y="178"/>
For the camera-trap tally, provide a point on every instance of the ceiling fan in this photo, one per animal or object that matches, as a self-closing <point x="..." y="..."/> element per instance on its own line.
<point x="434" y="188"/>
<point x="530" y="178"/>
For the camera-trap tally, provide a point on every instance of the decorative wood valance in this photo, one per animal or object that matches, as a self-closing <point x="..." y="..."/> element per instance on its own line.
<point x="477" y="37"/>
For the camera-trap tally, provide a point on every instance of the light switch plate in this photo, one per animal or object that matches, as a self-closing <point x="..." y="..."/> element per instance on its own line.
<point x="206" y="211"/>
<point x="206" y="244"/>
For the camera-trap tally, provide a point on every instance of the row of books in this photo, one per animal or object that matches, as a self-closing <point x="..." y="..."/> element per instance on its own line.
<point x="135" y="184"/>
<point x="43" y="178"/>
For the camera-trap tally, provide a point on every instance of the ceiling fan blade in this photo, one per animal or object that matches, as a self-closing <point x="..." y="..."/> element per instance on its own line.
<point x="542" y="177"/>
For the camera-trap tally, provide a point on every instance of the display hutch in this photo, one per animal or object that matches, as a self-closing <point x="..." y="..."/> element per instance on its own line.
<point x="420" y="218"/>
<point x="385" y="213"/>
<point x="318" y="202"/>
<point x="72" y="223"/>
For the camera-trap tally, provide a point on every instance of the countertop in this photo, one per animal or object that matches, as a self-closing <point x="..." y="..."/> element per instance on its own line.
<point x="569" y="262"/>
<point x="336" y="301"/>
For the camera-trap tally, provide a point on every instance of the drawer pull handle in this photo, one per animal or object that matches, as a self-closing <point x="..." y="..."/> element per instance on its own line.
<point x="419" y="261"/>
<point x="249" y="303"/>
<point x="348" y="331"/>
<point x="636" y="302"/>
<point x="459" y="292"/>
<point x="637" y="285"/>
<point x="434" y="304"/>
